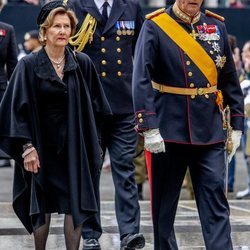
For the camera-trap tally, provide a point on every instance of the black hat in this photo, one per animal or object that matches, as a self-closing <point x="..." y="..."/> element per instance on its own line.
<point x="47" y="8"/>
<point x="31" y="34"/>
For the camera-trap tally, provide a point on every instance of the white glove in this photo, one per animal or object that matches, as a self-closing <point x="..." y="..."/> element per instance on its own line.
<point x="236" y="137"/>
<point x="153" y="142"/>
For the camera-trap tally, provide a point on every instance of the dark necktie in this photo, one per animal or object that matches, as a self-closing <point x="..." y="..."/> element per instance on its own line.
<point x="105" y="11"/>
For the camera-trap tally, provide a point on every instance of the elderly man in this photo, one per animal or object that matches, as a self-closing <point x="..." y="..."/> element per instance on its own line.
<point x="183" y="68"/>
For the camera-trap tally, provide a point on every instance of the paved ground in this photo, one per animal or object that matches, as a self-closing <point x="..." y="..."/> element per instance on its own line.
<point x="14" y="237"/>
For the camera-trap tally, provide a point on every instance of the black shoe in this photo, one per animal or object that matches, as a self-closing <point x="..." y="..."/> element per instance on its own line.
<point x="133" y="241"/>
<point x="91" y="244"/>
<point x="4" y="163"/>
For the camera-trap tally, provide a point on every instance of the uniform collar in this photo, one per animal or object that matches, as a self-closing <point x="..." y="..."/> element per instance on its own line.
<point x="184" y="16"/>
<point x="99" y="3"/>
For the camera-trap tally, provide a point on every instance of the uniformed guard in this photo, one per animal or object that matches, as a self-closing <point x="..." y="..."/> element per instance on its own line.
<point x="8" y="61"/>
<point x="183" y="69"/>
<point x="107" y="32"/>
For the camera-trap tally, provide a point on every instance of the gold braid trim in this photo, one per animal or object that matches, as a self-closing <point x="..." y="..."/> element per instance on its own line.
<point x="85" y="33"/>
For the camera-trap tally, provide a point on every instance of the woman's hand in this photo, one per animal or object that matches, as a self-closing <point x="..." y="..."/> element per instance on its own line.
<point x="31" y="162"/>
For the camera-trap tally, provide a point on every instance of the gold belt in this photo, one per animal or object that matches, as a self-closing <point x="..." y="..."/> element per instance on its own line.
<point x="184" y="91"/>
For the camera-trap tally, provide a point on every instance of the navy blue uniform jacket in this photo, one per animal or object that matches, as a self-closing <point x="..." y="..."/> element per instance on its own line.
<point x="180" y="118"/>
<point x="111" y="53"/>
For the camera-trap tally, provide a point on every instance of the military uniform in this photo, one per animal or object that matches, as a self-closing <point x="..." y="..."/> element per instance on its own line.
<point x="8" y="59"/>
<point x="111" y="48"/>
<point x="172" y="92"/>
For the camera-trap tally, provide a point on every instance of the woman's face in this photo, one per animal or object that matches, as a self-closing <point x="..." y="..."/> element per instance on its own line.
<point x="58" y="34"/>
<point x="190" y="7"/>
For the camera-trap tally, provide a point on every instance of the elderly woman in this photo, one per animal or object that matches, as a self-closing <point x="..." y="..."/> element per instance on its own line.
<point x="50" y="109"/>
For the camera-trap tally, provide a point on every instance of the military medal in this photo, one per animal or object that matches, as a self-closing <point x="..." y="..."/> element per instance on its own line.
<point x="132" y="28"/>
<point x="216" y="47"/>
<point x="118" y="27"/>
<point x="208" y="32"/>
<point x="220" y="61"/>
<point x="194" y="34"/>
<point x="124" y="32"/>
<point x="128" y="27"/>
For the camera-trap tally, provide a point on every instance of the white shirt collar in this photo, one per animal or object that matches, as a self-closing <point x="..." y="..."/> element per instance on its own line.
<point x="99" y="3"/>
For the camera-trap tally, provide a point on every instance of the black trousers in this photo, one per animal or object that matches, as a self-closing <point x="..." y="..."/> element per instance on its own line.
<point x="119" y="137"/>
<point x="207" y="169"/>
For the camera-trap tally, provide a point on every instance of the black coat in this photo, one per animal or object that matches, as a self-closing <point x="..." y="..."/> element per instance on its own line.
<point x="111" y="53"/>
<point x="8" y="58"/>
<point x="8" y="52"/>
<point x="20" y="110"/>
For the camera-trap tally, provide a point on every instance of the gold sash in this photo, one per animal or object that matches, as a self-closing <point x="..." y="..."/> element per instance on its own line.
<point x="192" y="48"/>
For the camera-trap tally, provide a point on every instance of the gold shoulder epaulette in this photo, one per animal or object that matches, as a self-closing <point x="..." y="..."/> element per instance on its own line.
<point x="212" y="14"/>
<point x="155" y="13"/>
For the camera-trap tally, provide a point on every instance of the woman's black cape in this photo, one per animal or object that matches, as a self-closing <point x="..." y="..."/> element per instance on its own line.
<point x="19" y="123"/>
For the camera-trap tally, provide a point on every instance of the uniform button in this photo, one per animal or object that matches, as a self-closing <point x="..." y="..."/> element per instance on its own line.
<point x="211" y="52"/>
<point x="207" y="96"/>
<point x="188" y="62"/>
<point x="104" y="74"/>
<point x="190" y="73"/>
<point x="140" y="120"/>
<point x="119" y="61"/>
<point x="103" y="50"/>
<point x="119" y="50"/>
<point x="102" y="38"/>
<point x="191" y="85"/>
<point x="192" y="96"/>
<point x="208" y="85"/>
<point x="118" y="39"/>
<point x="65" y="91"/>
<point x="104" y="62"/>
<point x="119" y="73"/>
<point x="139" y="115"/>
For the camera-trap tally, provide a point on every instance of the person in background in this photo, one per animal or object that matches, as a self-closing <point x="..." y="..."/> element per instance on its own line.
<point x="184" y="75"/>
<point x="8" y="61"/>
<point x="108" y="32"/>
<point x="238" y="65"/>
<point x="245" y="85"/>
<point x="31" y="41"/>
<point x="50" y="130"/>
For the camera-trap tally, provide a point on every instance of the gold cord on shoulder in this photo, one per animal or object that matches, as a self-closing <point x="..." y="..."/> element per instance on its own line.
<point x="85" y="33"/>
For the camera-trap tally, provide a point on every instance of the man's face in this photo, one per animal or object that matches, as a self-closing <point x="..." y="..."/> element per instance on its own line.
<point x="190" y="7"/>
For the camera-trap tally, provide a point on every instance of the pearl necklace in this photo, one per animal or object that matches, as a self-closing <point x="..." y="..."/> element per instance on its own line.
<point x="58" y="64"/>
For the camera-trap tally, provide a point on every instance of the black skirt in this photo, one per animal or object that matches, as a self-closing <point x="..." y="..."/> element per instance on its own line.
<point x="56" y="183"/>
